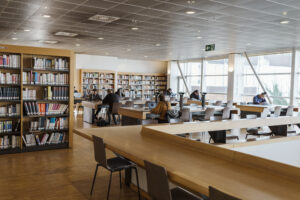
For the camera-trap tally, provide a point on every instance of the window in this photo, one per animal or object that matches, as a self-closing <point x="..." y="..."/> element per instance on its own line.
<point x="216" y="79"/>
<point x="274" y="72"/>
<point x="192" y="74"/>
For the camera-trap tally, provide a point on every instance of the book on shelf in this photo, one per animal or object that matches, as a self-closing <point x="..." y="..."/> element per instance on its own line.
<point x="8" y="93"/>
<point x="52" y="138"/>
<point x="10" y="61"/>
<point x="48" y="64"/>
<point x="12" y="141"/>
<point x="56" y="93"/>
<point x="8" y="78"/>
<point x="42" y="109"/>
<point x="29" y="94"/>
<point x="10" y="110"/>
<point x="6" y="126"/>
<point x="53" y="123"/>
<point x="36" y="78"/>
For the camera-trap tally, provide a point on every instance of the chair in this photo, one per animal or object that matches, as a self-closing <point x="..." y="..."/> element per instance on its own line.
<point x="129" y="104"/>
<point x="290" y="111"/>
<point x="209" y="112"/>
<point x="277" y="111"/>
<point x="215" y="194"/>
<point x="115" y="111"/>
<point x="158" y="185"/>
<point x="256" y="131"/>
<point x="229" y="103"/>
<point x="226" y="113"/>
<point x="218" y="103"/>
<point x="185" y="115"/>
<point x="116" y="164"/>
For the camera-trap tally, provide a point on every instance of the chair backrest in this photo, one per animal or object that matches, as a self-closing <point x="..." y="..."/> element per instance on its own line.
<point x="157" y="182"/>
<point x="185" y="114"/>
<point x="218" y="103"/>
<point x="99" y="151"/>
<point x="185" y="100"/>
<point x="265" y="113"/>
<point x="226" y="113"/>
<point x="175" y="120"/>
<point x="251" y="116"/>
<point x="149" y="121"/>
<point x="215" y="194"/>
<point x="229" y="103"/>
<point x="129" y="104"/>
<point x="277" y="111"/>
<point x="290" y="111"/>
<point x="209" y="112"/>
<point x="115" y="108"/>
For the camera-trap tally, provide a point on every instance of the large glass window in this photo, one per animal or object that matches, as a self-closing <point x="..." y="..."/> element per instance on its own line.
<point x="192" y="74"/>
<point x="216" y="79"/>
<point x="274" y="72"/>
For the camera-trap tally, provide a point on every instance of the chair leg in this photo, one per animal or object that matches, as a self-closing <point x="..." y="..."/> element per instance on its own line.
<point x="120" y="175"/>
<point x="246" y="136"/>
<point x="109" y="185"/>
<point x="209" y="140"/>
<point x="94" y="179"/>
<point x="137" y="181"/>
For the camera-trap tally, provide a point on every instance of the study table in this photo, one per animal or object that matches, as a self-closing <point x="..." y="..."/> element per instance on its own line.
<point x="196" y="166"/>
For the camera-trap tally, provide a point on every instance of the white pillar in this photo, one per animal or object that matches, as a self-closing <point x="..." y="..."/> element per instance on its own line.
<point x="234" y="89"/>
<point x="294" y="81"/>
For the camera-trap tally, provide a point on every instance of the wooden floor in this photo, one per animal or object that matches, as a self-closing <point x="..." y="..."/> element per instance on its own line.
<point x="57" y="175"/>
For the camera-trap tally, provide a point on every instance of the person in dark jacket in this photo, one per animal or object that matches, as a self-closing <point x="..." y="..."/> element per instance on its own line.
<point x="260" y="98"/>
<point x="110" y="99"/>
<point x="120" y="93"/>
<point x="94" y="96"/>
<point x="195" y="95"/>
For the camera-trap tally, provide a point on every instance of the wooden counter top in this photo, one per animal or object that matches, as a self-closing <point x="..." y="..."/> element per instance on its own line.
<point x="195" y="165"/>
<point x="259" y="108"/>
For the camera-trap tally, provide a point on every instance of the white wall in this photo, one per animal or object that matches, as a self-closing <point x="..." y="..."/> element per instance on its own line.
<point x="120" y="65"/>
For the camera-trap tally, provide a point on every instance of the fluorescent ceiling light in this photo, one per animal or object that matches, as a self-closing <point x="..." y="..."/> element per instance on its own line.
<point x="66" y="34"/>
<point x="199" y="37"/>
<point x="158" y="45"/>
<point x="48" y="41"/>
<point x="134" y="28"/>
<point x="284" y="13"/>
<point x="190" y="12"/>
<point x="77" y="45"/>
<point x="128" y="49"/>
<point x="46" y="16"/>
<point x="104" y="18"/>
<point x="14" y="38"/>
<point x="145" y="56"/>
<point x="285" y="22"/>
<point x="27" y="30"/>
<point x="100" y="38"/>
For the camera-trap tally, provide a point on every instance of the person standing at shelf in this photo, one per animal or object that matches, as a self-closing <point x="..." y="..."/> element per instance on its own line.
<point x="161" y="108"/>
<point x="110" y="99"/>
<point x="260" y="98"/>
<point x="94" y="96"/>
<point x="195" y="95"/>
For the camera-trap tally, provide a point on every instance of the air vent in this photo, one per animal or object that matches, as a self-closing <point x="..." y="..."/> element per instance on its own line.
<point x="66" y="34"/>
<point x="104" y="18"/>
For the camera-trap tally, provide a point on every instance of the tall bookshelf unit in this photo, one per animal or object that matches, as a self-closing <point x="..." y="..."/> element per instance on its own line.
<point x="39" y="78"/>
<point x="95" y="79"/>
<point x="144" y="85"/>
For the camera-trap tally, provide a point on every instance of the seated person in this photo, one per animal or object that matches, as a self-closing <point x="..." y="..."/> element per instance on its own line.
<point x="94" y="96"/>
<point x="110" y="99"/>
<point x="195" y="95"/>
<point x="170" y="93"/>
<point x="161" y="108"/>
<point x="120" y="93"/>
<point x="260" y="98"/>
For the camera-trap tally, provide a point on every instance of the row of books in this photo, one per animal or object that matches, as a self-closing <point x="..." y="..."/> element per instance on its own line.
<point x="45" y="78"/>
<point x="53" y="123"/>
<point x="8" y="78"/>
<point x="7" y="126"/>
<point x="56" y="93"/>
<point x="10" y="142"/>
<point x="42" y="109"/>
<point x="34" y="140"/>
<point x="47" y="63"/>
<point x="29" y="94"/>
<point x="90" y="75"/>
<point x="10" y="110"/>
<point x="8" y="93"/>
<point x="10" y="61"/>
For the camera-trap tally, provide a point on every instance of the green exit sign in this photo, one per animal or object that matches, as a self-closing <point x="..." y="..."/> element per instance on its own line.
<point x="210" y="47"/>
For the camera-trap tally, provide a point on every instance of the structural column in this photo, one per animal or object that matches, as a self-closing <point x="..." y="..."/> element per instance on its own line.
<point x="294" y="81"/>
<point x="235" y="81"/>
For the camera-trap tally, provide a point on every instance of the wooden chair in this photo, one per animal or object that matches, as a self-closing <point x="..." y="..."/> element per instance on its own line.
<point x="158" y="185"/>
<point x="215" y="194"/>
<point x="116" y="164"/>
<point x="115" y="112"/>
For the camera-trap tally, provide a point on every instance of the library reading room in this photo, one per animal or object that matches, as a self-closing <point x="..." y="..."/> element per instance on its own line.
<point x="149" y="99"/>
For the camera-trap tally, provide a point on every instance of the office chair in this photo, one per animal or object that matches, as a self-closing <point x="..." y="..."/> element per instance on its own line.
<point x="116" y="164"/>
<point x="218" y="103"/>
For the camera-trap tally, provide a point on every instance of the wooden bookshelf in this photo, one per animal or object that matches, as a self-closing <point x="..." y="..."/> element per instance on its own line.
<point x="96" y="79"/>
<point x="143" y="85"/>
<point x="54" y="72"/>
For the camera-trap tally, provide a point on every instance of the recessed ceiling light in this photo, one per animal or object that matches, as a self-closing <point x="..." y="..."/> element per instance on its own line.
<point x="104" y="18"/>
<point x="77" y="45"/>
<point x="100" y="38"/>
<point x="145" y="56"/>
<point x="46" y="16"/>
<point x="190" y="12"/>
<point x="66" y="34"/>
<point x="128" y="49"/>
<point x="199" y="37"/>
<point x="158" y="45"/>
<point x="284" y="22"/>
<point x="27" y="30"/>
<point x="14" y="38"/>
<point x="48" y="41"/>
<point x="134" y="28"/>
<point x="248" y="44"/>
<point x="284" y="13"/>
<point x="45" y="7"/>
